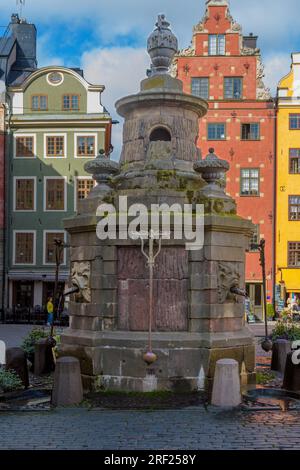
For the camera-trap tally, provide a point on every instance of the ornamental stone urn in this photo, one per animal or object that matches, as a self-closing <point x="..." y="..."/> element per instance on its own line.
<point x="198" y="318"/>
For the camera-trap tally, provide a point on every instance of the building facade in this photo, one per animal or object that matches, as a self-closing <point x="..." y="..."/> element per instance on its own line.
<point x="17" y="61"/>
<point x="224" y="67"/>
<point x="288" y="184"/>
<point x="57" y="123"/>
<point x="2" y="202"/>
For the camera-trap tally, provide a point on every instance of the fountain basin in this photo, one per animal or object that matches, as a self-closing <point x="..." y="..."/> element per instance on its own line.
<point x="283" y="399"/>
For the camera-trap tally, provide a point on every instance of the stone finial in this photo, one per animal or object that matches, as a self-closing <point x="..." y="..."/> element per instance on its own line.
<point x="162" y="47"/>
<point x="102" y="169"/>
<point x="217" y="2"/>
<point x="212" y="168"/>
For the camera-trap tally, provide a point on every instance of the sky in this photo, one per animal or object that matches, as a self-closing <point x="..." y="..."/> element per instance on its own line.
<point x="107" y="38"/>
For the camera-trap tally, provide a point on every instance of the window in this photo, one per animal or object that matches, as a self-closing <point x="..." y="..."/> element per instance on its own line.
<point x="216" y="44"/>
<point x="24" y="248"/>
<point x="250" y="131"/>
<point x="294" y="121"/>
<point x="55" y="146"/>
<point x="294" y="157"/>
<point x="294" y="254"/>
<point x="24" y="194"/>
<point x="216" y="132"/>
<point x="294" y="208"/>
<point x="200" y="87"/>
<point x="70" y="102"/>
<point x="233" y="87"/>
<point x="49" y="247"/>
<point x="55" y="194"/>
<point x="86" y="146"/>
<point x="39" y="103"/>
<point x="255" y="239"/>
<point x="25" y="147"/>
<point x="249" y="182"/>
<point x="84" y="186"/>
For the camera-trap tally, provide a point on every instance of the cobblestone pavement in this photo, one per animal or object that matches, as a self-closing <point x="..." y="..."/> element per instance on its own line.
<point x="193" y="428"/>
<point x="13" y="335"/>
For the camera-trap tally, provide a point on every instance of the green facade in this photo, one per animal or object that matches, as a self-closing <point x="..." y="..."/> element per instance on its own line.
<point x="39" y="124"/>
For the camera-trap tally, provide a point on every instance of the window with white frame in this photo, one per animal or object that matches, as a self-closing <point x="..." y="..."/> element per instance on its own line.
<point x="25" y="146"/>
<point x="55" y="194"/>
<point x="24" y="247"/>
<point x="85" y="145"/>
<point x="55" y="146"/>
<point x="49" y="246"/>
<point x="24" y="194"/>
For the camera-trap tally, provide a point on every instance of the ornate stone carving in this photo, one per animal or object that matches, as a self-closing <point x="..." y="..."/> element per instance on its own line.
<point x="102" y="169"/>
<point x="262" y="92"/>
<point x="199" y="27"/>
<point x="162" y="47"/>
<point x="228" y="278"/>
<point x="212" y="168"/>
<point x="188" y="52"/>
<point x="249" y="51"/>
<point x="80" y="277"/>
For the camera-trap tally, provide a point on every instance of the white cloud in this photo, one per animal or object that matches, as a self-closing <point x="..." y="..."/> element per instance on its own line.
<point x="274" y="20"/>
<point x="276" y="67"/>
<point x="121" y="70"/>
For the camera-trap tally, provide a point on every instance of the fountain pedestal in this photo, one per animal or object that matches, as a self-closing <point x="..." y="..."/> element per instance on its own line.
<point x="197" y="320"/>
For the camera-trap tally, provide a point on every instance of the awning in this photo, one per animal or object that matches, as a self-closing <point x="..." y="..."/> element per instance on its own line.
<point x="37" y="276"/>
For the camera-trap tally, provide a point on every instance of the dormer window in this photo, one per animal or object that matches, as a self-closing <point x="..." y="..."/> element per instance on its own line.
<point x="216" y="44"/>
<point x="70" y="102"/>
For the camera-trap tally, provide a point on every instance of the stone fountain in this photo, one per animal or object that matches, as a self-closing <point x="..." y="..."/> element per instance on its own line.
<point x="197" y="313"/>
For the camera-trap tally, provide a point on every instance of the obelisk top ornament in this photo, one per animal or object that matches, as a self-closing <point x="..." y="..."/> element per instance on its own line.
<point x="162" y="47"/>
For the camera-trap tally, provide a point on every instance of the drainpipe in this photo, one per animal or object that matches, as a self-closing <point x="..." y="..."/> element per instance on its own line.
<point x="275" y="200"/>
<point x="5" y="298"/>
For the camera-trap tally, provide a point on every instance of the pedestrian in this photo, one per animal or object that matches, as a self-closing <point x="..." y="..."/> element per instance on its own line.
<point x="50" y="309"/>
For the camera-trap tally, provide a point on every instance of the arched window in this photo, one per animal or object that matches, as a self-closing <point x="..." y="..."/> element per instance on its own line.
<point x="160" y="133"/>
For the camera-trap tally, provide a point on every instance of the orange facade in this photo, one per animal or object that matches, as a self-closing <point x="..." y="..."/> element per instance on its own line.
<point x="240" y="123"/>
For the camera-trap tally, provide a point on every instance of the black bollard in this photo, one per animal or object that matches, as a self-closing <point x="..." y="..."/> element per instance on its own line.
<point x="292" y="375"/>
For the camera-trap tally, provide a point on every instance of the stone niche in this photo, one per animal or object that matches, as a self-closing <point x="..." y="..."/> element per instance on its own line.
<point x="197" y="318"/>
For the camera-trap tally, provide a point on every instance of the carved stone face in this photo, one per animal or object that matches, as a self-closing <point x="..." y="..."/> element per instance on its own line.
<point x="80" y="277"/>
<point x="228" y="277"/>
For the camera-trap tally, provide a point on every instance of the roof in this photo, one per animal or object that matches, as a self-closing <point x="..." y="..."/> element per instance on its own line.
<point x="6" y="45"/>
<point x="17" y="77"/>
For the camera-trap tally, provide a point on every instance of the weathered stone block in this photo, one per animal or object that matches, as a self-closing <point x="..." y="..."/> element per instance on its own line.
<point x="67" y="388"/>
<point x="224" y="253"/>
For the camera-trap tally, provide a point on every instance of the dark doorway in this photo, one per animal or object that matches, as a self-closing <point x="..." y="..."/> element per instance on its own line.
<point x="23" y="293"/>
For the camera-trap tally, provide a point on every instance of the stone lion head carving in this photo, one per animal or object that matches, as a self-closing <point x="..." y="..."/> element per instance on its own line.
<point x="80" y="277"/>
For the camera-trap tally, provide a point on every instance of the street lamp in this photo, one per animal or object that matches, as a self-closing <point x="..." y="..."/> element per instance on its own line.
<point x="267" y="343"/>
<point x="60" y="246"/>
